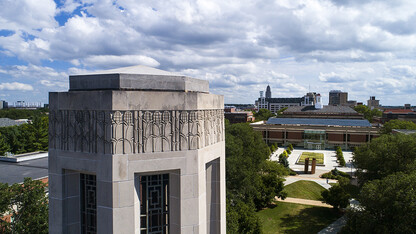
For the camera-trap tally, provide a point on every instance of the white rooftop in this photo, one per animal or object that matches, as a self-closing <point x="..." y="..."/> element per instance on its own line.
<point x="136" y="78"/>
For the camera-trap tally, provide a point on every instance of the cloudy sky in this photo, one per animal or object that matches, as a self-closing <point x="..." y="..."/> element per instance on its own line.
<point x="363" y="47"/>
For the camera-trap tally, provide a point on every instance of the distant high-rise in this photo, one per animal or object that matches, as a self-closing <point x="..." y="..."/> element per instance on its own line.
<point x="276" y="104"/>
<point x="337" y="97"/>
<point x="268" y="92"/>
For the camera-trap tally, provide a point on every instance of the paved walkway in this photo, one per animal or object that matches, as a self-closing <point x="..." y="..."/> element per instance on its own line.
<point x="303" y="201"/>
<point x="334" y="227"/>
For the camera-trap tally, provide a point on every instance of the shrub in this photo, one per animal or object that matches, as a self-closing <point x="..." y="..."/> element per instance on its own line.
<point x="273" y="147"/>
<point x="283" y="155"/>
<point x="290" y="146"/>
<point x="342" y="161"/>
<point x="335" y="175"/>
<point x="292" y="172"/>
<point x="340" y="156"/>
<point x="284" y="162"/>
<point x="288" y="151"/>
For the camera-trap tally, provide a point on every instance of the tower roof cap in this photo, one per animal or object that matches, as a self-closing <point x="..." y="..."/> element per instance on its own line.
<point x="136" y="78"/>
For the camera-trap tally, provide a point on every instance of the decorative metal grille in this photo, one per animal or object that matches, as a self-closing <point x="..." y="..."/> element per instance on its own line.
<point x="88" y="204"/>
<point x="154" y="203"/>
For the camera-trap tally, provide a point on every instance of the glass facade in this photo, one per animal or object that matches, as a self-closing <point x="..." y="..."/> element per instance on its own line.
<point x="88" y="204"/>
<point x="154" y="203"/>
<point x="314" y="139"/>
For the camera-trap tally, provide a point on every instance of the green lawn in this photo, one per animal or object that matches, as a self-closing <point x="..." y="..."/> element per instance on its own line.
<point x="296" y="218"/>
<point x="304" y="189"/>
<point x="319" y="157"/>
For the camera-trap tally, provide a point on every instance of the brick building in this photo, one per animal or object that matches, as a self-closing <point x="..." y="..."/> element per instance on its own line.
<point x="314" y="133"/>
<point x="234" y="116"/>
<point x="400" y="114"/>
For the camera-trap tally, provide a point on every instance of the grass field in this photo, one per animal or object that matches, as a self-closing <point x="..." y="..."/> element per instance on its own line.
<point x="296" y="218"/>
<point x="304" y="189"/>
<point x="319" y="157"/>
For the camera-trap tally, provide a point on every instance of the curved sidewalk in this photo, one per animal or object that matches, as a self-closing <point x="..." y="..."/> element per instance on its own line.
<point x="303" y="202"/>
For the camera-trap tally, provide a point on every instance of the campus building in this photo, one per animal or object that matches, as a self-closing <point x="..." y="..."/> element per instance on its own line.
<point x="136" y="150"/>
<point x="238" y="116"/>
<point x="337" y="97"/>
<point x="275" y="104"/>
<point x="318" y="127"/>
<point x="326" y="112"/>
<point x="373" y="102"/>
<point x="317" y="133"/>
<point x="399" y="114"/>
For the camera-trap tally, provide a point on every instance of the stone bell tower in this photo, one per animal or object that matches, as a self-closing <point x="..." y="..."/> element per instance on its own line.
<point x="136" y="150"/>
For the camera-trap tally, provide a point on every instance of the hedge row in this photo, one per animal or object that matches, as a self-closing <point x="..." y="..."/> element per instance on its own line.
<point x="340" y="157"/>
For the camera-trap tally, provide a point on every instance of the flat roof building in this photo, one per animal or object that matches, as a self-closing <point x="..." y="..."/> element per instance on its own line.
<point x="326" y="112"/>
<point x="373" y="102"/>
<point x="317" y="133"/>
<point x="337" y="97"/>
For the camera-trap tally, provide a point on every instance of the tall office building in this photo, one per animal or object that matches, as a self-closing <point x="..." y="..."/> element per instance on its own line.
<point x="136" y="150"/>
<point x="268" y="92"/>
<point x="337" y="97"/>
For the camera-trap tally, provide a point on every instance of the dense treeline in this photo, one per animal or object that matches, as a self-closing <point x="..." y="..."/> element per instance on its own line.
<point x="387" y="176"/>
<point x="397" y="124"/>
<point x="26" y="137"/>
<point x="13" y="113"/>
<point x="252" y="180"/>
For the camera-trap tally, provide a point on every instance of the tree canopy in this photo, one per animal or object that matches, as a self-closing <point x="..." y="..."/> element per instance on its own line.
<point x="26" y="137"/>
<point x="252" y="180"/>
<point x="387" y="206"/>
<point x="397" y="124"/>
<point x="27" y="204"/>
<point x="263" y="114"/>
<point x="385" y="155"/>
<point x="337" y="195"/>
<point x="386" y="171"/>
<point x="13" y="113"/>
<point x="367" y="112"/>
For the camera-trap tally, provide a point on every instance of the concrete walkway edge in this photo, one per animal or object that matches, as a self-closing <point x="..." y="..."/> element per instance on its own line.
<point x="334" y="227"/>
<point x="303" y="202"/>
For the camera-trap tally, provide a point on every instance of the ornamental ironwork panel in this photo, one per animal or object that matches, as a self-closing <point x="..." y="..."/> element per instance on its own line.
<point x="154" y="203"/>
<point x="88" y="204"/>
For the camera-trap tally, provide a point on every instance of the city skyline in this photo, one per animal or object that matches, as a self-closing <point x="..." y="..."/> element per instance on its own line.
<point x="365" y="48"/>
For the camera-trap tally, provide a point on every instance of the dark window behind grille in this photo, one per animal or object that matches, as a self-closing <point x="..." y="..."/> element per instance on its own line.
<point x="154" y="203"/>
<point x="88" y="204"/>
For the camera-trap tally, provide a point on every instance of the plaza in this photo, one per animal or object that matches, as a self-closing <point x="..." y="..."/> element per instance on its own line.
<point x="330" y="162"/>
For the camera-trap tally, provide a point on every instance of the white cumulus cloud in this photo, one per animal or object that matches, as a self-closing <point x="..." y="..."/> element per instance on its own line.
<point x="113" y="61"/>
<point x="15" y="86"/>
